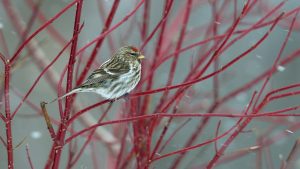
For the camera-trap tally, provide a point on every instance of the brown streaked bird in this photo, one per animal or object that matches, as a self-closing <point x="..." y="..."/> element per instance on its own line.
<point x="115" y="77"/>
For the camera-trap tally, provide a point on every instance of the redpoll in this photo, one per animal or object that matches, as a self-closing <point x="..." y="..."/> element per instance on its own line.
<point x="115" y="77"/>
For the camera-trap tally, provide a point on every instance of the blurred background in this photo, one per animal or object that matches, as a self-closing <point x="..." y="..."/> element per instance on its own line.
<point x="265" y="143"/>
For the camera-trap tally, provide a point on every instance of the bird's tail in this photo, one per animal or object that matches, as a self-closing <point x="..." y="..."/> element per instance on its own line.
<point x="76" y="90"/>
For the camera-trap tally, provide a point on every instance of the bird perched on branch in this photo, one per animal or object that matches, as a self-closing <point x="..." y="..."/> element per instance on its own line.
<point x="115" y="77"/>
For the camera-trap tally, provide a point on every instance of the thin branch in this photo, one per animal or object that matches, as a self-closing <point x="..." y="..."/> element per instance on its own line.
<point x="28" y="157"/>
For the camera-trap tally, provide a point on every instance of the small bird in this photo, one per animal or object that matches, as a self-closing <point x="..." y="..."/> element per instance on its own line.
<point x="115" y="77"/>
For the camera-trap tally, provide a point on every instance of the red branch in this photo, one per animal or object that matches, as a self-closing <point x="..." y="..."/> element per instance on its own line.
<point x="28" y="157"/>
<point x="8" y="118"/>
<point x="59" y="141"/>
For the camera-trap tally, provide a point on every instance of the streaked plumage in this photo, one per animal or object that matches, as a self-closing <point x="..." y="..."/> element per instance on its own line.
<point x="115" y="77"/>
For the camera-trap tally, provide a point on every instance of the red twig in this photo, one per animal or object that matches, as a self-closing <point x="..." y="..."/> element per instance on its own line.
<point x="216" y="135"/>
<point x="162" y="23"/>
<point x="59" y="141"/>
<point x="71" y="63"/>
<point x="123" y="144"/>
<point x="293" y="155"/>
<point x="3" y="59"/>
<point x="215" y="23"/>
<point x="31" y="21"/>
<point x="101" y="9"/>
<point x="28" y="157"/>
<point x="8" y="118"/>
<point x="2" y="117"/>
<point x="145" y="19"/>
<point x="73" y="146"/>
<point x="3" y="43"/>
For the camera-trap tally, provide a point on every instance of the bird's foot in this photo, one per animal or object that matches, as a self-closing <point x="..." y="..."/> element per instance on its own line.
<point x="112" y="100"/>
<point x="126" y="96"/>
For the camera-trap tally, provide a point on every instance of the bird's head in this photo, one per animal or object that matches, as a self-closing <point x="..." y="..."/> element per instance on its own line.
<point x="130" y="53"/>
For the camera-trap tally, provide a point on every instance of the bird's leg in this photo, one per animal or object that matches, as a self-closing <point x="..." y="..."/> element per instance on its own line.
<point x="112" y="101"/>
<point x="126" y="96"/>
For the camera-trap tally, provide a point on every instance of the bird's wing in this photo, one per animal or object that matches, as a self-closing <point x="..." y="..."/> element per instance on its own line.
<point x="105" y="73"/>
<point x="114" y="67"/>
<point x="94" y="81"/>
<point x="111" y="71"/>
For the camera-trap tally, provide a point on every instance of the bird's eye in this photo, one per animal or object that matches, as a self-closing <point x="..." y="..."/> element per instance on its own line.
<point x="133" y="53"/>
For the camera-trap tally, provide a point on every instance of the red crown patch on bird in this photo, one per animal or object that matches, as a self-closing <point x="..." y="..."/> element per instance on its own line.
<point x="134" y="49"/>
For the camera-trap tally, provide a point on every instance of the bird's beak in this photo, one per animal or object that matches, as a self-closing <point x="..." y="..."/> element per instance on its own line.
<point x="141" y="57"/>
